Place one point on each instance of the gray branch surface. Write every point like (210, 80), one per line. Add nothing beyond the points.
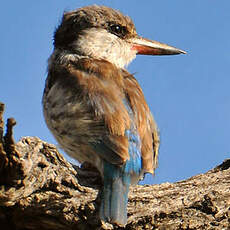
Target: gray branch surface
(39, 189)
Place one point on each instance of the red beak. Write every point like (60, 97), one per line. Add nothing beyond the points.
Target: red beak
(150, 47)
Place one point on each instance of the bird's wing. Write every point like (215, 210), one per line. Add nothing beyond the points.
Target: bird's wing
(146, 125)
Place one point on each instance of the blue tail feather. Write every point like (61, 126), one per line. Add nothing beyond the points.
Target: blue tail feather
(114, 196)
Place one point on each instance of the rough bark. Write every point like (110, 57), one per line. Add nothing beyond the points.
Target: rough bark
(39, 189)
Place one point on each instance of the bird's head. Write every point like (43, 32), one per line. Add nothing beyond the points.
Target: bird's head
(104, 33)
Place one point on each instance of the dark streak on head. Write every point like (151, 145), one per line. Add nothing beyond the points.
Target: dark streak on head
(75, 22)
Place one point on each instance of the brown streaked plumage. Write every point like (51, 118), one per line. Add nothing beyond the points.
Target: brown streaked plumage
(95, 108)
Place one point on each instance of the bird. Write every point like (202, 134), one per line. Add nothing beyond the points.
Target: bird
(95, 108)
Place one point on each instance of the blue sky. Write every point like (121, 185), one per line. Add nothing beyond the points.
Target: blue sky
(188, 94)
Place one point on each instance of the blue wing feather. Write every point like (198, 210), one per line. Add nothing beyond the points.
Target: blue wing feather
(117, 180)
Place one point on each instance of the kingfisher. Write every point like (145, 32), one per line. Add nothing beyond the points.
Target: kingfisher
(95, 108)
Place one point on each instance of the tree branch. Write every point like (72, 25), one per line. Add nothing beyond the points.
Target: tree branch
(39, 189)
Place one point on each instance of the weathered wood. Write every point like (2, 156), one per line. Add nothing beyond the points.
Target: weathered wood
(39, 189)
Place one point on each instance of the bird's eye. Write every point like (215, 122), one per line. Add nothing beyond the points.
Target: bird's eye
(118, 30)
